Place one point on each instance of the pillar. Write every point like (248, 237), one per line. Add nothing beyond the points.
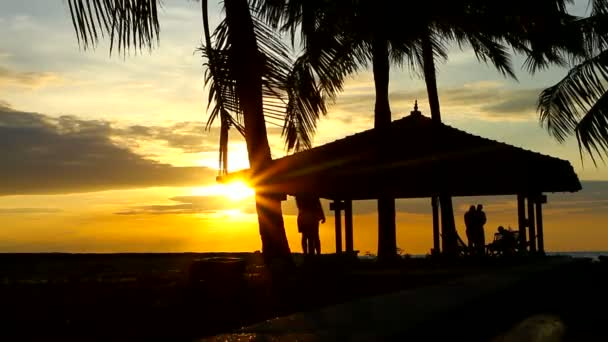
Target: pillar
(348, 226)
(336, 206)
(531, 223)
(436, 243)
(539, 223)
(521, 220)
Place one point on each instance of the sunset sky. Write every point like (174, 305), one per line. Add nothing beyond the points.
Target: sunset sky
(103, 153)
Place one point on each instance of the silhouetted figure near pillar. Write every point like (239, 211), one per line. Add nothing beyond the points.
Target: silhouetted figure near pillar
(480, 221)
(469, 218)
(310, 212)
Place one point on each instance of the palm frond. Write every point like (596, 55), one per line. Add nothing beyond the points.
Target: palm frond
(552, 40)
(304, 107)
(562, 105)
(128, 23)
(592, 130)
(414, 56)
(489, 49)
(292, 98)
(595, 32)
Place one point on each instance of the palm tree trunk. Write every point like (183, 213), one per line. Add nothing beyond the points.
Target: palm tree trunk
(248, 68)
(449, 240)
(387, 239)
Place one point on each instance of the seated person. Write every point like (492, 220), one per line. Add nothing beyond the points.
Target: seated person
(505, 241)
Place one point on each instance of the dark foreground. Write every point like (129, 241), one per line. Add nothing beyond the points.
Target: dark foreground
(156, 296)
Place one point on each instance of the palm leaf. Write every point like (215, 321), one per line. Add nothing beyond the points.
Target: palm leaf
(592, 130)
(292, 98)
(128, 23)
(565, 104)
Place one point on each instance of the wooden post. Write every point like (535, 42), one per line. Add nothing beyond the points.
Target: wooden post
(539, 223)
(348, 226)
(436, 243)
(531, 223)
(336, 206)
(521, 220)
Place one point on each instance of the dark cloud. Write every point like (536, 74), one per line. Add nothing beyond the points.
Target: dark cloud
(520, 102)
(190, 137)
(41, 154)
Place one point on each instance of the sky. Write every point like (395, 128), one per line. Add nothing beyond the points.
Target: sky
(108, 153)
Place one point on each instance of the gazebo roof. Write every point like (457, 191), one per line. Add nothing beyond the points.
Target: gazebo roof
(419, 159)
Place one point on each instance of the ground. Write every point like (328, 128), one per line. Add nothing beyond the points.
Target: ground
(141, 296)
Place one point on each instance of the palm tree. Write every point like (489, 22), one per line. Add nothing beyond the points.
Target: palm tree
(578, 104)
(250, 77)
(351, 34)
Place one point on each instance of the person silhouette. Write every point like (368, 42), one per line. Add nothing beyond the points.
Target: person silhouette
(506, 241)
(310, 212)
(480, 233)
(469, 218)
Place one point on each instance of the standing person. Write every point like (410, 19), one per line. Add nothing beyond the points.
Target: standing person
(481, 221)
(469, 218)
(310, 212)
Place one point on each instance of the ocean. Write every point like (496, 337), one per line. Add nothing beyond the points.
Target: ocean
(593, 255)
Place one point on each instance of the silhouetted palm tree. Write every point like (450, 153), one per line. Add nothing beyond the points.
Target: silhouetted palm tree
(351, 34)
(250, 76)
(578, 104)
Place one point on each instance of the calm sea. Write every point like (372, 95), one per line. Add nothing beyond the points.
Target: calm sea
(587, 254)
(592, 255)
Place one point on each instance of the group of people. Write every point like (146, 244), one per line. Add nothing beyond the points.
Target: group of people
(310, 213)
(474, 220)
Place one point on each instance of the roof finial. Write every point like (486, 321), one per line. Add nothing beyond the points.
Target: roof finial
(415, 111)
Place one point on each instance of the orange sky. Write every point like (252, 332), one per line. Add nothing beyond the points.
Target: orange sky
(146, 221)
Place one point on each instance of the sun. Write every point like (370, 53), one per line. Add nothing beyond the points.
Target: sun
(237, 190)
(234, 191)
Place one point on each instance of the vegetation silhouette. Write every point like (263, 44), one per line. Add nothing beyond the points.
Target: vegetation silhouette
(250, 77)
(375, 30)
(578, 104)
(248, 65)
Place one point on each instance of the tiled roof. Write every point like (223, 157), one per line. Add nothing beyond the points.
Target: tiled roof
(416, 158)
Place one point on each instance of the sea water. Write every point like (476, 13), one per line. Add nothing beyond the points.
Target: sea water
(593, 255)
(585, 254)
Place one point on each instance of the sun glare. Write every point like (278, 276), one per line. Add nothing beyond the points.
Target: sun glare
(237, 191)
(234, 191)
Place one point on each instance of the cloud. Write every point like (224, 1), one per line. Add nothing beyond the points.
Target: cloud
(192, 205)
(29, 211)
(486, 100)
(31, 80)
(190, 137)
(42, 154)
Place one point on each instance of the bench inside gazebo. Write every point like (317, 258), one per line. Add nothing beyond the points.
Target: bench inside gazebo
(418, 158)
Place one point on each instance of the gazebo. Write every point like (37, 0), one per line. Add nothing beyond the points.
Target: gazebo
(419, 158)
